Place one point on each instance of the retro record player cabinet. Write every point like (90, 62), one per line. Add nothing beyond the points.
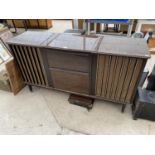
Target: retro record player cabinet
(104, 67)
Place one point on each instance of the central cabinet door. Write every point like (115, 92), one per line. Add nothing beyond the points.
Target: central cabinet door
(70, 71)
(70, 81)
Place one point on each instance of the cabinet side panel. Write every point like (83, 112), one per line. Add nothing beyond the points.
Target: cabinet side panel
(130, 70)
(139, 66)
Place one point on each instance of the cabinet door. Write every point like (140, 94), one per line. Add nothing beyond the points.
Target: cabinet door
(70, 81)
(69, 61)
(69, 70)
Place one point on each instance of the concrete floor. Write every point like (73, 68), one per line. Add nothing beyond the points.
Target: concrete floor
(27, 113)
(48, 112)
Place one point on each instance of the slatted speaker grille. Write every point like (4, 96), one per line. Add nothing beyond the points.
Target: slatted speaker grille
(30, 64)
(117, 77)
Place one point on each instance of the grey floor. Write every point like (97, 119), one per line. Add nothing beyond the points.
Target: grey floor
(48, 112)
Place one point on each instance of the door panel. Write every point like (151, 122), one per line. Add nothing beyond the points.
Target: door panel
(70, 81)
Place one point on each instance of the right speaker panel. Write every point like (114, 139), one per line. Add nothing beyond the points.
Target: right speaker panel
(117, 77)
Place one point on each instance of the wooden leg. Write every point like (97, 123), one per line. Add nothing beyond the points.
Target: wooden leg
(133, 107)
(123, 107)
(134, 117)
(30, 88)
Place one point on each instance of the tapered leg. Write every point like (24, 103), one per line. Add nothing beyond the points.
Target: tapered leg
(123, 107)
(134, 117)
(30, 88)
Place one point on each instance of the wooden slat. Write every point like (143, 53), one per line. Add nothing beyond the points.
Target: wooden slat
(100, 71)
(26, 63)
(116, 79)
(29, 62)
(18, 61)
(22, 63)
(138, 80)
(42, 66)
(105, 76)
(38, 66)
(108, 75)
(128, 79)
(136, 73)
(111, 75)
(34, 65)
(122, 75)
(41, 70)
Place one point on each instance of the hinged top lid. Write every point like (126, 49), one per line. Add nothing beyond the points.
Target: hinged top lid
(124, 46)
(75, 42)
(32, 38)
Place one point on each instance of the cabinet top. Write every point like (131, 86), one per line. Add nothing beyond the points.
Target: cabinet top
(113, 45)
(32, 38)
(75, 42)
(116, 45)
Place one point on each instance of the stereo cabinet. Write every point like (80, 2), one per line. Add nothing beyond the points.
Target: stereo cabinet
(103, 67)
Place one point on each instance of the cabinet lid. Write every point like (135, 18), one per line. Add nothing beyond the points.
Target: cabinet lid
(124, 46)
(32, 38)
(112, 45)
(75, 42)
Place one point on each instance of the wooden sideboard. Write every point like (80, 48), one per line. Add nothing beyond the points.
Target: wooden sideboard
(103, 67)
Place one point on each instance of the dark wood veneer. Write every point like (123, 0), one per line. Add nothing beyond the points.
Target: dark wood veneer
(101, 67)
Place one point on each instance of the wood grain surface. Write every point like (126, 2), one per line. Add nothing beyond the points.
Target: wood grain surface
(117, 77)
